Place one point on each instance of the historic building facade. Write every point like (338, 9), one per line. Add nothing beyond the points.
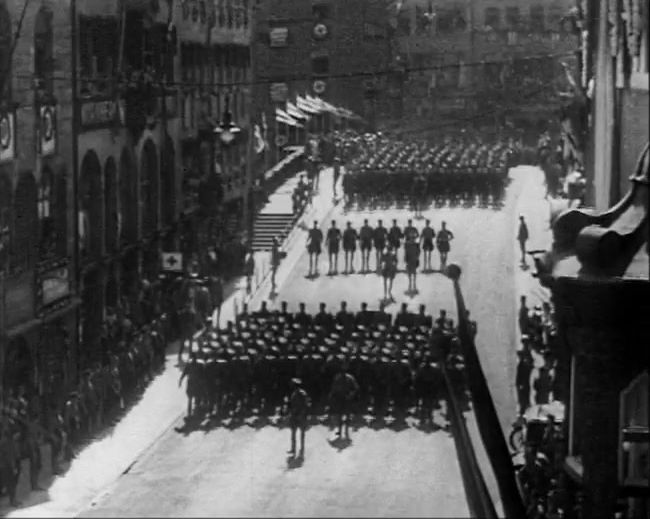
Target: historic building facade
(598, 269)
(468, 60)
(37, 241)
(333, 49)
(111, 116)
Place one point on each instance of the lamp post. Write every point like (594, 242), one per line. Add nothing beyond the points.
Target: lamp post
(486, 415)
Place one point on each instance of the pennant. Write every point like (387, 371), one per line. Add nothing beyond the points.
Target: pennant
(295, 112)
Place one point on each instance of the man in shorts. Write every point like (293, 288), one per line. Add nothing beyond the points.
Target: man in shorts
(344, 390)
(388, 262)
(350, 237)
(298, 404)
(412, 260)
(443, 239)
(365, 242)
(333, 241)
(426, 242)
(379, 236)
(395, 236)
(314, 241)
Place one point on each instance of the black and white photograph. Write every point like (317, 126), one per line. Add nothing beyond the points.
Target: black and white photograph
(324, 258)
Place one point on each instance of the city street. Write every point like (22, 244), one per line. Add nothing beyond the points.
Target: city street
(243, 471)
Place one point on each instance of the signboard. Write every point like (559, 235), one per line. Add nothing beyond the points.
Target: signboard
(172, 261)
(47, 134)
(7, 137)
(54, 285)
(96, 114)
(278, 37)
(279, 92)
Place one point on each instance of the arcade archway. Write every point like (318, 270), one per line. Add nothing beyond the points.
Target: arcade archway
(111, 215)
(128, 205)
(91, 232)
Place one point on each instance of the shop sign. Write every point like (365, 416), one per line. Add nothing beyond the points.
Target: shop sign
(278, 37)
(97, 114)
(47, 130)
(7, 137)
(54, 284)
(279, 92)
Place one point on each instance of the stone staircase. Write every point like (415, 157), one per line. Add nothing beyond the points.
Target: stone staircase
(268, 225)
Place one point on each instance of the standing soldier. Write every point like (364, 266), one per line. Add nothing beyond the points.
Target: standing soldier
(350, 237)
(388, 264)
(379, 241)
(426, 242)
(249, 270)
(365, 238)
(192, 372)
(275, 262)
(314, 241)
(298, 405)
(337, 174)
(522, 238)
(395, 236)
(188, 321)
(410, 231)
(9, 462)
(344, 390)
(443, 239)
(333, 240)
(216, 293)
(412, 260)
(522, 379)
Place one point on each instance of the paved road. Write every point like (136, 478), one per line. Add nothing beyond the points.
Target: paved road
(244, 472)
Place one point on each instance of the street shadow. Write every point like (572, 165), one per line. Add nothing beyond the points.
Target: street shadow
(295, 462)
(340, 443)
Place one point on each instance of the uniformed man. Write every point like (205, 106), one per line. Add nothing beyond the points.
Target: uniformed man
(350, 237)
(426, 242)
(365, 238)
(412, 260)
(192, 371)
(444, 237)
(379, 241)
(298, 404)
(395, 236)
(345, 318)
(344, 390)
(364, 316)
(323, 317)
(302, 317)
(314, 240)
(276, 257)
(333, 241)
(410, 231)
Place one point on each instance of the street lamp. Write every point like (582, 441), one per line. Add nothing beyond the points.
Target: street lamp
(227, 129)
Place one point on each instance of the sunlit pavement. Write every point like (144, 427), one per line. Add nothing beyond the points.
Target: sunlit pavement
(233, 458)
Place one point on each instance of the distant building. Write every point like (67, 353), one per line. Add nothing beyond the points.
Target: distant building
(469, 61)
(598, 271)
(334, 49)
(108, 157)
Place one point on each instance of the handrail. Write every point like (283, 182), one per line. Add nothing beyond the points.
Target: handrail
(486, 415)
(478, 495)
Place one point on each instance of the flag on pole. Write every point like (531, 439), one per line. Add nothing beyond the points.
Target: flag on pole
(305, 106)
(260, 145)
(283, 117)
(295, 112)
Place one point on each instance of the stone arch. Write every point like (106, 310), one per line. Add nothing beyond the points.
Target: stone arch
(91, 224)
(128, 198)
(149, 188)
(168, 182)
(25, 229)
(43, 48)
(111, 208)
(5, 52)
(19, 366)
(6, 209)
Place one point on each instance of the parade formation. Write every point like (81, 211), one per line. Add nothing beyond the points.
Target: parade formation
(385, 170)
(349, 365)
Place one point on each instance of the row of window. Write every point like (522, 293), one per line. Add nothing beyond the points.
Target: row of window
(453, 19)
(33, 219)
(227, 13)
(219, 64)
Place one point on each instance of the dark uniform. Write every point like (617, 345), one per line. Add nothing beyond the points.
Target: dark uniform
(298, 407)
